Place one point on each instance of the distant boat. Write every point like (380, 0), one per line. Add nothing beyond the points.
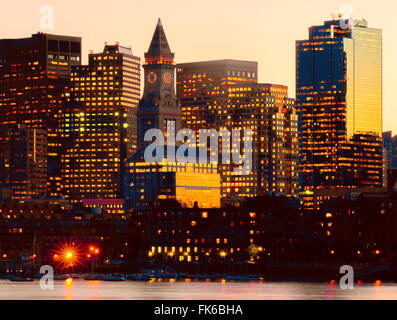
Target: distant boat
(139, 277)
(243, 278)
(62, 276)
(93, 277)
(20, 279)
(114, 277)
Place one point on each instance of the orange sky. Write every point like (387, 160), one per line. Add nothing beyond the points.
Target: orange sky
(259, 30)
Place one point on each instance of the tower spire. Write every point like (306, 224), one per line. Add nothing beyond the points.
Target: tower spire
(159, 45)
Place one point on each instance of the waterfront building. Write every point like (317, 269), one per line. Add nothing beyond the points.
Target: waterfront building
(34, 73)
(99, 124)
(105, 206)
(360, 226)
(339, 101)
(262, 231)
(41, 232)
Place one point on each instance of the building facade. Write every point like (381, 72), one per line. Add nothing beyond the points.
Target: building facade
(34, 73)
(224, 94)
(360, 226)
(99, 124)
(223, 240)
(148, 184)
(271, 115)
(200, 85)
(394, 152)
(339, 101)
(23, 162)
(387, 155)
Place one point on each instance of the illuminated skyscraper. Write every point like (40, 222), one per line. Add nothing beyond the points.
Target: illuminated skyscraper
(201, 84)
(34, 72)
(99, 125)
(271, 115)
(146, 184)
(339, 100)
(224, 94)
(159, 104)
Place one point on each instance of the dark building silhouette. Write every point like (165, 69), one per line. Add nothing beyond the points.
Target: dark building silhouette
(263, 230)
(360, 226)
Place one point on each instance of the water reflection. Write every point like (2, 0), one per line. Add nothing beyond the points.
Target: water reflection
(94, 286)
(75, 289)
(68, 285)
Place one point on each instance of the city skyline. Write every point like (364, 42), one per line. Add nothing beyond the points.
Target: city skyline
(106, 129)
(219, 38)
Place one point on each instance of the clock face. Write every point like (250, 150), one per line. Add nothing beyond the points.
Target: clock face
(167, 77)
(152, 77)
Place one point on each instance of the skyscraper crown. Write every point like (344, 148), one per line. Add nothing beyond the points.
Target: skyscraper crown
(159, 46)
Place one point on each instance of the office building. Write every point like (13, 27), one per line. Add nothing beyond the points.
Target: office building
(339, 101)
(224, 94)
(34, 73)
(200, 84)
(99, 124)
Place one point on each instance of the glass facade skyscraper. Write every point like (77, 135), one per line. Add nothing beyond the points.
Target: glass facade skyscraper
(339, 100)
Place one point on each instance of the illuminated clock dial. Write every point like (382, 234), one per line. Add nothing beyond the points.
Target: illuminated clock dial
(152, 77)
(167, 77)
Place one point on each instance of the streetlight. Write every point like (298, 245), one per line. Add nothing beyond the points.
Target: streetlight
(172, 255)
(223, 255)
(94, 252)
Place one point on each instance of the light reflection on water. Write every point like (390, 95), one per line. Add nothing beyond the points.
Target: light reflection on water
(75, 289)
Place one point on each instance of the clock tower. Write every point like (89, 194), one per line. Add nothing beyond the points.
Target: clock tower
(159, 105)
